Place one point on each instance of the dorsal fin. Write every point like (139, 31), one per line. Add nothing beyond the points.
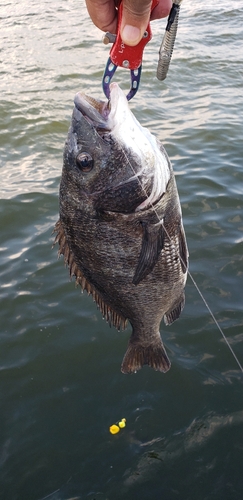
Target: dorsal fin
(111, 316)
(152, 244)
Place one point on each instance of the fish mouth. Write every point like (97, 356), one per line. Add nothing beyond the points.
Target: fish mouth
(104, 116)
(95, 111)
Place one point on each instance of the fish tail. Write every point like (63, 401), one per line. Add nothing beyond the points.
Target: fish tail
(138, 355)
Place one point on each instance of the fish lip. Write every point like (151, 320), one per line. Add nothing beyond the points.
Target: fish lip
(98, 118)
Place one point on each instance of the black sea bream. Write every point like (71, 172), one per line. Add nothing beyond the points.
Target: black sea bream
(120, 227)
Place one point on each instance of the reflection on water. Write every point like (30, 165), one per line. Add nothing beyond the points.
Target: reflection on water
(60, 377)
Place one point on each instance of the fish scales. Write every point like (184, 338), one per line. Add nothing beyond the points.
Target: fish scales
(120, 227)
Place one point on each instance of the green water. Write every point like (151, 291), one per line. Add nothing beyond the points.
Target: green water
(60, 381)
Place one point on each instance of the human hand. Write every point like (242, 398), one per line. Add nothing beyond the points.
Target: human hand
(135, 16)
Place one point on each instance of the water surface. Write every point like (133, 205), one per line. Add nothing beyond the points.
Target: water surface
(60, 381)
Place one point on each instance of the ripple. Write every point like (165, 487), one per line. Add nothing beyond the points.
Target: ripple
(60, 363)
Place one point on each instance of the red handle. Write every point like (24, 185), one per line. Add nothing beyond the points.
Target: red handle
(125, 55)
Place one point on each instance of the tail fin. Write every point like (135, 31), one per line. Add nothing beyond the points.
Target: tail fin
(138, 355)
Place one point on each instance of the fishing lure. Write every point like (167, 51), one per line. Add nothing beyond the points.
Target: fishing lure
(131, 57)
(115, 428)
(168, 42)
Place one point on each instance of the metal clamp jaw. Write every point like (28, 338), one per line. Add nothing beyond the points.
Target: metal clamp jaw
(125, 56)
(130, 58)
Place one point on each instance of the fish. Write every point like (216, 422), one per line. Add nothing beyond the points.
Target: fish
(120, 228)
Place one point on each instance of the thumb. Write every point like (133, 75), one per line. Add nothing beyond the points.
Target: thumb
(135, 19)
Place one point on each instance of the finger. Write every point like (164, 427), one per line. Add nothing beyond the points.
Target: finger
(135, 18)
(161, 10)
(103, 14)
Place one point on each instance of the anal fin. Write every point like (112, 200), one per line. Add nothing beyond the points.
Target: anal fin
(152, 244)
(138, 355)
(175, 311)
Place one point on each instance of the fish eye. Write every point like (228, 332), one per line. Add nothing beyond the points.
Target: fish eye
(84, 162)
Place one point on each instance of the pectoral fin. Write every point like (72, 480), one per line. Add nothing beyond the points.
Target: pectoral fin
(152, 244)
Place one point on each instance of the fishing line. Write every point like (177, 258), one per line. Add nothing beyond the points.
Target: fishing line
(189, 274)
(215, 321)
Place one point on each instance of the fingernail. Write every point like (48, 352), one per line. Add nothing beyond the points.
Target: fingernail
(130, 35)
